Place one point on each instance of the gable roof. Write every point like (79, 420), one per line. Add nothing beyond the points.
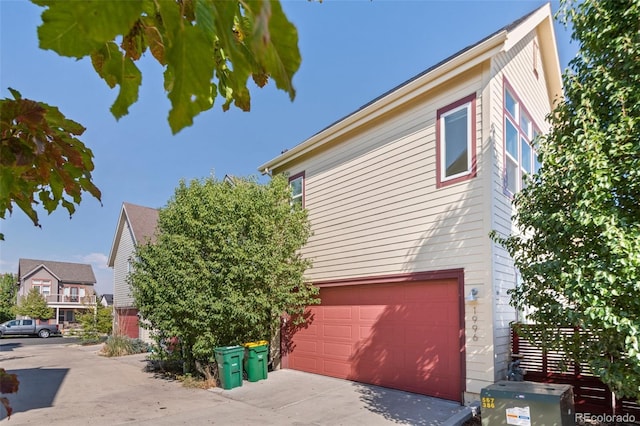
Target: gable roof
(107, 298)
(64, 271)
(143, 222)
(540, 20)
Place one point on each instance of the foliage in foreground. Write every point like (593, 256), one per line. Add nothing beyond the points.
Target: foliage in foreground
(42, 161)
(123, 345)
(34, 306)
(8, 384)
(225, 265)
(207, 48)
(579, 246)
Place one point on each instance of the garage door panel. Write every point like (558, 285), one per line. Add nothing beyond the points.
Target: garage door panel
(370, 312)
(330, 331)
(337, 313)
(335, 369)
(403, 336)
(307, 346)
(338, 351)
(305, 363)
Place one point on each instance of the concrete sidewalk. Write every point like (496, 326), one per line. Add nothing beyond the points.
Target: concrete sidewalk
(304, 398)
(72, 385)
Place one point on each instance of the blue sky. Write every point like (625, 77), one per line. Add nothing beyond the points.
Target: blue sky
(352, 52)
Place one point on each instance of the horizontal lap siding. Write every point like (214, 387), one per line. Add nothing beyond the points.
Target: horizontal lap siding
(122, 292)
(375, 210)
(516, 66)
(373, 205)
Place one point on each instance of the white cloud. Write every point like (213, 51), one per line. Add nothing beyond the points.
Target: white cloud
(104, 274)
(97, 260)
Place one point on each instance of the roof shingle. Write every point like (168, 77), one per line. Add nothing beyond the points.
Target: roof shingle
(64, 271)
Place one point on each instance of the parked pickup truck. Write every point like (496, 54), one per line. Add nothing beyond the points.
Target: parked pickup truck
(28, 327)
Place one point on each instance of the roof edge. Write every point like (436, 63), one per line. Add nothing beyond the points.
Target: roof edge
(445, 70)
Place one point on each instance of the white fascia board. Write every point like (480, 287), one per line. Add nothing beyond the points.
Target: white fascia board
(541, 21)
(116, 238)
(447, 71)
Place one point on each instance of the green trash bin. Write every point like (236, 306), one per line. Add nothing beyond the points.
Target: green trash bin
(229, 360)
(256, 360)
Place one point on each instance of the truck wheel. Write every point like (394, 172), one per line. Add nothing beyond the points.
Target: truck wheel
(44, 333)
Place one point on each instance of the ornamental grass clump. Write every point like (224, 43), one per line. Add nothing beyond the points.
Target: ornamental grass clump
(122, 345)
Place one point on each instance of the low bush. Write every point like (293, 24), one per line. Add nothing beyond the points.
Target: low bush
(123, 345)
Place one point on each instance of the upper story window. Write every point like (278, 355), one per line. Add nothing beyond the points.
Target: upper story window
(296, 182)
(520, 132)
(43, 286)
(455, 142)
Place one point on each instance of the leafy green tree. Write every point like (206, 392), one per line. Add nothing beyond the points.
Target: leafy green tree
(34, 305)
(208, 49)
(579, 217)
(95, 321)
(40, 154)
(226, 265)
(8, 290)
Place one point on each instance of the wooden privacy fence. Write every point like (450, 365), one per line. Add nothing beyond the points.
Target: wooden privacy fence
(590, 394)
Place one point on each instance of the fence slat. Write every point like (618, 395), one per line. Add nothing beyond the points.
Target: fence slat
(590, 394)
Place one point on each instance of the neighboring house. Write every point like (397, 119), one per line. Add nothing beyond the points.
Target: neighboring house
(402, 195)
(136, 225)
(106, 300)
(67, 287)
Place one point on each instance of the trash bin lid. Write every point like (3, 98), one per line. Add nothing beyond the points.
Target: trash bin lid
(254, 344)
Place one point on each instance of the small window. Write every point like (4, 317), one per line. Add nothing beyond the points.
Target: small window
(455, 135)
(27, 322)
(296, 182)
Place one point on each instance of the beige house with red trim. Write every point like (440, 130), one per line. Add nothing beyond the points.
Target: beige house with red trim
(67, 287)
(136, 225)
(402, 195)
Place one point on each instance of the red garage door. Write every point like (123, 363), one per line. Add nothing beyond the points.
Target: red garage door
(404, 336)
(127, 319)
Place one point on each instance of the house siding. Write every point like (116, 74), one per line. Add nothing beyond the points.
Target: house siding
(122, 295)
(375, 210)
(41, 274)
(516, 67)
(370, 185)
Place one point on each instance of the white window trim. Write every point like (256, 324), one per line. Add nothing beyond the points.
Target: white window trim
(443, 143)
(468, 102)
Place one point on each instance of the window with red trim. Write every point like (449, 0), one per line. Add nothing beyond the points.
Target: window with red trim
(296, 182)
(520, 132)
(455, 141)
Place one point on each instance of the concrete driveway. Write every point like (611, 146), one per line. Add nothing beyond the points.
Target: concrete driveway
(71, 385)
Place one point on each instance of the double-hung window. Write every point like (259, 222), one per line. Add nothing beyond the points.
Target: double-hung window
(455, 142)
(43, 287)
(521, 158)
(296, 182)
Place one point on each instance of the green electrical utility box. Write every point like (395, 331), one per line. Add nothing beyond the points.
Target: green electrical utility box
(527, 404)
(229, 360)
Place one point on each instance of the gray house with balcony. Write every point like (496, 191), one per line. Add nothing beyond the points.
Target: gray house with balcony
(67, 287)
